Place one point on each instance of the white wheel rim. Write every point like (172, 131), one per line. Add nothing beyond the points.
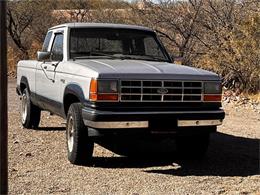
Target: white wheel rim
(24, 108)
(70, 133)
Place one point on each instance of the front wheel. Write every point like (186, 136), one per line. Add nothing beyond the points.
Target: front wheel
(193, 147)
(30, 113)
(79, 145)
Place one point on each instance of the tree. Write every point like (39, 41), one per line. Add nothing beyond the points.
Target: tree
(77, 10)
(175, 22)
(27, 21)
(91, 10)
(231, 34)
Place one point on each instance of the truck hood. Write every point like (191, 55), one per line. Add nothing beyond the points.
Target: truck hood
(139, 69)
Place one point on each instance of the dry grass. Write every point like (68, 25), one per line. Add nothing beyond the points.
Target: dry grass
(253, 97)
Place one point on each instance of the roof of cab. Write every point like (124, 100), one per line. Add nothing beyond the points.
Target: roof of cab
(100, 25)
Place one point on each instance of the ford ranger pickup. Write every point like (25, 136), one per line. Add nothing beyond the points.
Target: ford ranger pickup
(113, 79)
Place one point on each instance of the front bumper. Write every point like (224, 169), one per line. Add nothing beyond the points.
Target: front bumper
(152, 120)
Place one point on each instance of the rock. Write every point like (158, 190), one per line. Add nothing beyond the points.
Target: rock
(28, 154)
(14, 170)
(16, 142)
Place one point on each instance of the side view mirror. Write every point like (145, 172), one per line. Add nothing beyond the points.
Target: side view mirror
(43, 56)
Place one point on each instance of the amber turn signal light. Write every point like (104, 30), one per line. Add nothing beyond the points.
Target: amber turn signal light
(93, 86)
(93, 90)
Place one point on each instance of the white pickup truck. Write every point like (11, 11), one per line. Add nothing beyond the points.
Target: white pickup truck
(117, 80)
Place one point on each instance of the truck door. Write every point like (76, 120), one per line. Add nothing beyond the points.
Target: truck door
(47, 85)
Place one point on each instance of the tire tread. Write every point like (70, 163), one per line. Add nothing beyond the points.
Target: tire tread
(82, 147)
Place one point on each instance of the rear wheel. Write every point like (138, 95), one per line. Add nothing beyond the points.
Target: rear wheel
(193, 147)
(30, 113)
(79, 145)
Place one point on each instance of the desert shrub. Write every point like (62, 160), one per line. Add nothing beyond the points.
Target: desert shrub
(235, 54)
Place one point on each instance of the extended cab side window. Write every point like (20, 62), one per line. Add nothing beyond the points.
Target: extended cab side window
(57, 48)
(46, 41)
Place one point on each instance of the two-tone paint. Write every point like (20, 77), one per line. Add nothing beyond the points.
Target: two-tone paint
(50, 83)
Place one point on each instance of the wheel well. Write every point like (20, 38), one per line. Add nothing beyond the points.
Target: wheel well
(22, 87)
(68, 100)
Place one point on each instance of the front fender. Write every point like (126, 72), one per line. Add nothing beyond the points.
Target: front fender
(76, 90)
(23, 82)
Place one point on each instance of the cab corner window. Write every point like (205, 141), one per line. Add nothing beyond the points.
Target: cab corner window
(57, 48)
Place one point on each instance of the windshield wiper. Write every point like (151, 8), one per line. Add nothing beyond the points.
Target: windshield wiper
(155, 58)
(103, 54)
(142, 57)
(94, 55)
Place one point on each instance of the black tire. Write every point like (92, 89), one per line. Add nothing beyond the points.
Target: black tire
(79, 145)
(193, 147)
(31, 114)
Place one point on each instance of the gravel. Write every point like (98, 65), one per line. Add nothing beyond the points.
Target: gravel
(38, 162)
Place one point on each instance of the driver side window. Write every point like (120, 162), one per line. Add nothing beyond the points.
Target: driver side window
(47, 41)
(57, 48)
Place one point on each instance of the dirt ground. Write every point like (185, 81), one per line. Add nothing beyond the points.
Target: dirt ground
(38, 162)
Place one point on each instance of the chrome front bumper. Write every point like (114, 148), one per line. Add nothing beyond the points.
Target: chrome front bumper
(195, 123)
(99, 119)
(145, 124)
(117, 125)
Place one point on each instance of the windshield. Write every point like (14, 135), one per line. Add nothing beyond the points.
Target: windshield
(115, 44)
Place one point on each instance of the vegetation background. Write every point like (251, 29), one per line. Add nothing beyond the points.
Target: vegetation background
(218, 35)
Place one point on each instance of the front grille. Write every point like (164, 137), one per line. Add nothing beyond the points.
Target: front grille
(160, 91)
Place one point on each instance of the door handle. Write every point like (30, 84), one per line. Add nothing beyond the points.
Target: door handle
(45, 67)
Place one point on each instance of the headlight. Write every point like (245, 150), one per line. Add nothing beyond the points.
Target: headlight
(103, 90)
(212, 92)
(107, 86)
(212, 88)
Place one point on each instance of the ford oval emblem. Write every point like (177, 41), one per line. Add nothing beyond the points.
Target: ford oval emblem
(162, 90)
